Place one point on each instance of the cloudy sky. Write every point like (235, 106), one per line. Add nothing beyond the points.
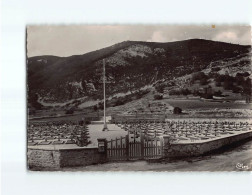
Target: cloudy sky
(77, 39)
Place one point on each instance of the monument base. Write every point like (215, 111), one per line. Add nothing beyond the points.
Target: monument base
(105, 128)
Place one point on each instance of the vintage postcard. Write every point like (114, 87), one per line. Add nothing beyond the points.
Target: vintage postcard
(139, 98)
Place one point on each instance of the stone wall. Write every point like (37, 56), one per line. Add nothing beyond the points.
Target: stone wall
(81, 157)
(197, 149)
(43, 158)
(140, 117)
(55, 159)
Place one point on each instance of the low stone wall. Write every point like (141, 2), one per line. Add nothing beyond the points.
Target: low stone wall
(197, 149)
(54, 159)
(140, 117)
(42, 158)
(81, 157)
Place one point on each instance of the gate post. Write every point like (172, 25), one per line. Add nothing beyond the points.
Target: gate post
(102, 146)
(162, 146)
(127, 146)
(166, 144)
(142, 144)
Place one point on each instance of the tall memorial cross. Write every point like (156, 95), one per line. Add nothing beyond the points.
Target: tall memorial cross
(105, 128)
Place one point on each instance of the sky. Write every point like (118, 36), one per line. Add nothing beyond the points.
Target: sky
(79, 39)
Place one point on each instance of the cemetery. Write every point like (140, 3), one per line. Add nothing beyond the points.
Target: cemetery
(67, 145)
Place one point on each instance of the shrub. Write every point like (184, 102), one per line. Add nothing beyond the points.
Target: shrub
(218, 93)
(175, 92)
(203, 81)
(158, 97)
(236, 90)
(119, 102)
(199, 76)
(247, 85)
(223, 78)
(208, 96)
(160, 88)
(95, 108)
(185, 91)
(239, 79)
(245, 74)
(37, 105)
(70, 111)
(87, 122)
(196, 93)
(212, 74)
(220, 78)
(100, 106)
(81, 122)
(177, 110)
(218, 84)
(228, 85)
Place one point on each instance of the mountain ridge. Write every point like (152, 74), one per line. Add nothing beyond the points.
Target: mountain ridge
(130, 65)
(193, 39)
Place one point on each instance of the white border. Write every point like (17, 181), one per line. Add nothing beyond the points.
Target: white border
(16, 14)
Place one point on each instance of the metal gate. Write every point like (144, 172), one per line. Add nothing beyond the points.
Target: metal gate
(117, 149)
(153, 148)
(134, 146)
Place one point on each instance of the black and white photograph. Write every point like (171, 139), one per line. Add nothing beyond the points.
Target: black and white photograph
(159, 98)
(125, 97)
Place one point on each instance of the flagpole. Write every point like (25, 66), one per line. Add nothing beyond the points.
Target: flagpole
(105, 128)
